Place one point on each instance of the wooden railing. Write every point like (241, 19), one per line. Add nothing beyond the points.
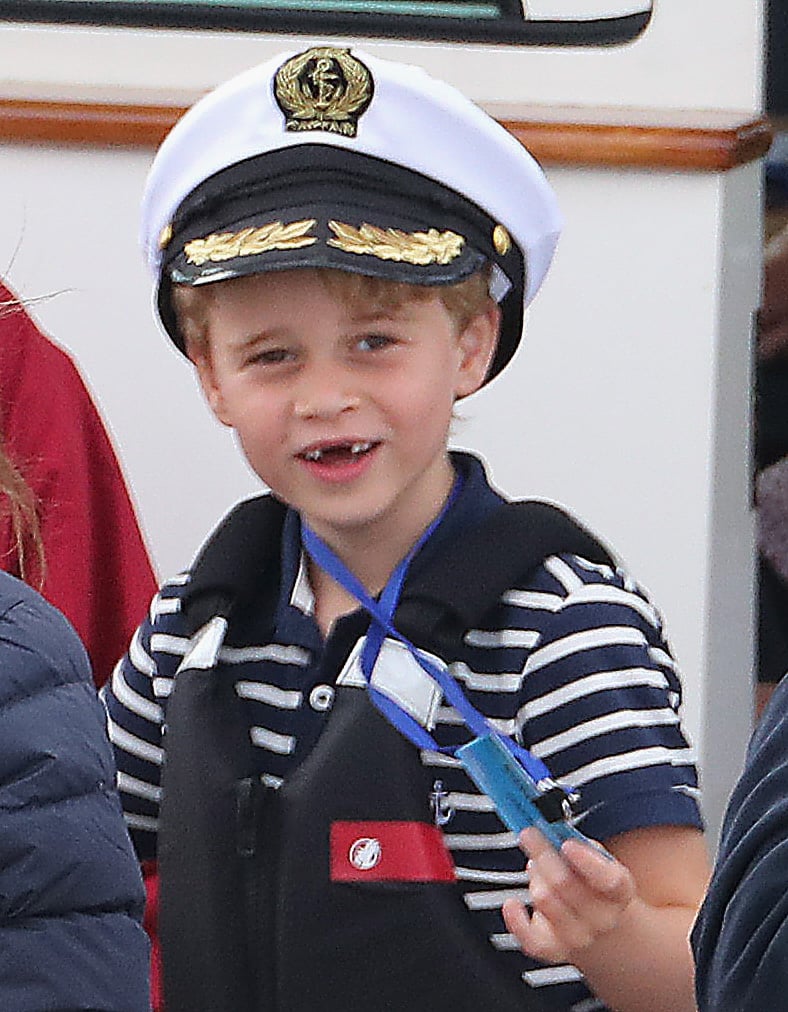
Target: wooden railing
(709, 141)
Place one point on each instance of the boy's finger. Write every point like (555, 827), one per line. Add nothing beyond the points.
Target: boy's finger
(533, 932)
(555, 886)
(535, 843)
(599, 871)
(567, 909)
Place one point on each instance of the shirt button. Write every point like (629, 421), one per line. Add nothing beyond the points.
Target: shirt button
(321, 698)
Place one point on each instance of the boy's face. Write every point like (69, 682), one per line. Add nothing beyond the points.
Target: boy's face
(343, 410)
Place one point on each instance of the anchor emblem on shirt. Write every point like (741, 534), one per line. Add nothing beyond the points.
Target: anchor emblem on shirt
(440, 806)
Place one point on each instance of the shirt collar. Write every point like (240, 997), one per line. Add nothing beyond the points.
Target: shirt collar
(294, 619)
(475, 501)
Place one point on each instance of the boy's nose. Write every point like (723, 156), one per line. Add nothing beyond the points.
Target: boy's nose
(322, 393)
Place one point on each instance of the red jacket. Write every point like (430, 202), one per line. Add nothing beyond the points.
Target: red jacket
(98, 571)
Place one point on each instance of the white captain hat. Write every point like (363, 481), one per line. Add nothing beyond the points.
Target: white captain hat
(330, 157)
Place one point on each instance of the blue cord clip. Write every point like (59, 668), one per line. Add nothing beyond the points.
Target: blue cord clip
(518, 798)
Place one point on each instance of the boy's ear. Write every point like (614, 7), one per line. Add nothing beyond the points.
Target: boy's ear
(478, 342)
(200, 357)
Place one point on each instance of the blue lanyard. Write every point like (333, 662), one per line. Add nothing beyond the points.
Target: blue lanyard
(381, 613)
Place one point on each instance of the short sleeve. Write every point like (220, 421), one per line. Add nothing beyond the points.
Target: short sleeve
(602, 701)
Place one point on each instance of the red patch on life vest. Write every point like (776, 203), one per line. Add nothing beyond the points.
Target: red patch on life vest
(389, 852)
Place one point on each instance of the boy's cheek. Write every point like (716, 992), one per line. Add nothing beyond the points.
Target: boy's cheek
(213, 392)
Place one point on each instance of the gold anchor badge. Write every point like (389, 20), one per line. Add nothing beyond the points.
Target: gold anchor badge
(323, 89)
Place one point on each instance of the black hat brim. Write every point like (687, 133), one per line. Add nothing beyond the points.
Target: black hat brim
(318, 207)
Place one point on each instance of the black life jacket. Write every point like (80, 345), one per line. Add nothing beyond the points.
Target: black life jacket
(255, 913)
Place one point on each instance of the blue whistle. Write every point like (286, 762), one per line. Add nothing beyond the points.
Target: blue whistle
(516, 795)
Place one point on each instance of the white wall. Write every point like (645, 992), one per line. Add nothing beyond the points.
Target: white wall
(629, 399)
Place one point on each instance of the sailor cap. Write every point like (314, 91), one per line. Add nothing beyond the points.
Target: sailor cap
(330, 157)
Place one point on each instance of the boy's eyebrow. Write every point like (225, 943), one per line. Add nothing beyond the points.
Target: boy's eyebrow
(248, 340)
(375, 314)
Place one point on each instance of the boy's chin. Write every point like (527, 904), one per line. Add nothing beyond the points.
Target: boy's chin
(343, 521)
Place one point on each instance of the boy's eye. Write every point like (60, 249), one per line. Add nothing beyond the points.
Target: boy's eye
(374, 342)
(270, 356)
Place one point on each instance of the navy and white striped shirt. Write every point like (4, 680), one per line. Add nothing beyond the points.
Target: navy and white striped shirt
(572, 663)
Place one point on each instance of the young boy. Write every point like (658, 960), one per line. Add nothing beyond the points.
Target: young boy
(343, 247)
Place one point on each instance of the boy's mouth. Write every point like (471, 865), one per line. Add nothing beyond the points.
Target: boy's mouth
(339, 452)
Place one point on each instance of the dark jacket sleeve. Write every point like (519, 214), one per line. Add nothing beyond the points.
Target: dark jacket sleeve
(740, 938)
(70, 887)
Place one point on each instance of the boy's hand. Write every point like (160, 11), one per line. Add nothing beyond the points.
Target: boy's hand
(578, 894)
(624, 923)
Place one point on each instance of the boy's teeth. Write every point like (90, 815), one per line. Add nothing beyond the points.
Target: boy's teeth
(355, 449)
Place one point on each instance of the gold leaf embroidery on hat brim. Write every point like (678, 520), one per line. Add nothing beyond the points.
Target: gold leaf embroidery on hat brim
(250, 241)
(421, 248)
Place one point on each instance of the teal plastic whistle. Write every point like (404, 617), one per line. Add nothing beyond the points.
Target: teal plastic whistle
(518, 798)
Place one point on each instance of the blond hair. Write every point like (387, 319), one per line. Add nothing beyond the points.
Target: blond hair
(462, 300)
(18, 505)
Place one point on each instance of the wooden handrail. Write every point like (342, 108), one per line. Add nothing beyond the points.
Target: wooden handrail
(698, 148)
(610, 138)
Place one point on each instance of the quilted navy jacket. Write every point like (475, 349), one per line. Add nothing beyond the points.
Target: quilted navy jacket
(70, 889)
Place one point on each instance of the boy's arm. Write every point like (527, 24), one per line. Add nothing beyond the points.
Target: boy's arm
(616, 736)
(624, 923)
(133, 699)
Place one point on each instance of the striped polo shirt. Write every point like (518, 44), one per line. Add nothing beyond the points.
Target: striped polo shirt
(572, 662)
